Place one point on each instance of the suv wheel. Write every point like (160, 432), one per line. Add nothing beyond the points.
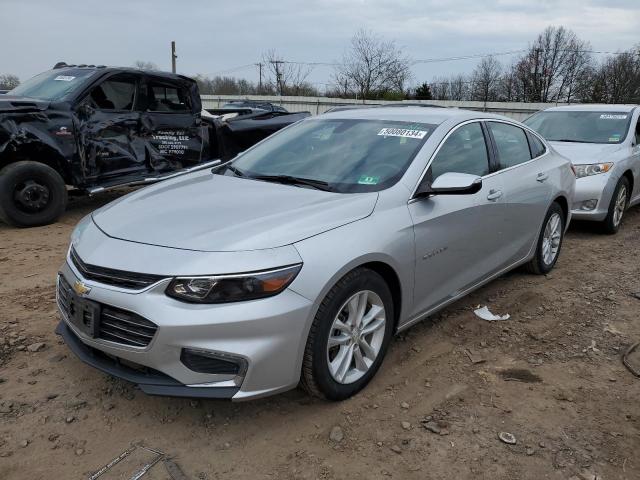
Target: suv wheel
(31, 194)
(549, 242)
(617, 207)
(349, 336)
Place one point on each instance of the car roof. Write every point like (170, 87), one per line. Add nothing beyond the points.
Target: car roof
(106, 69)
(593, 107)
(426, 114)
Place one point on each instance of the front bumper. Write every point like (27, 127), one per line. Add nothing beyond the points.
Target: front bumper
(269, 334)
(596, 187)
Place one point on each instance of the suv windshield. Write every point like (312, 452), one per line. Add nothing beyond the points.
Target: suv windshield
(54, 84)
(344, 155)
(581, 126)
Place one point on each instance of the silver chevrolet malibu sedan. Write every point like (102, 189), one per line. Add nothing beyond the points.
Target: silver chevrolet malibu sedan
(296, 262)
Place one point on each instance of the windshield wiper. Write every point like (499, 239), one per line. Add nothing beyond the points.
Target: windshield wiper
(569, 140)
(291, 180)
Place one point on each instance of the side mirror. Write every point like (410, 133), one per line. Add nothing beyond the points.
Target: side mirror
(451, 183)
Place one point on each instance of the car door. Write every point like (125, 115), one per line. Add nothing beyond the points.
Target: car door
(108, 130)
(635, 159)
(527, 191)
(457, 237)
(172, 125)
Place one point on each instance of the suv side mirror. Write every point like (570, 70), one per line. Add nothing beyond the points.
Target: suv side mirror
(451, 183)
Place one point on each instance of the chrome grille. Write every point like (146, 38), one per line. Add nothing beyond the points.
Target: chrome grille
(111, 276)
(115, 324)
(128, 328)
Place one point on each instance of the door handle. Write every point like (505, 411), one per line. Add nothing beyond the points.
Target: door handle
(494, 194)
(542, 176)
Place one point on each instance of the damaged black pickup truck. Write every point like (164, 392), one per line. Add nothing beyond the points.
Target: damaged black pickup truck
(84, 129)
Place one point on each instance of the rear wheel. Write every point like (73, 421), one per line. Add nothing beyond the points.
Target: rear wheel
(549, 242)
(617, 207)
(349, 336)
(31, 194)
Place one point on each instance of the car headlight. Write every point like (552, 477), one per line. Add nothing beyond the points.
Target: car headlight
(592, 169)
(232, 288)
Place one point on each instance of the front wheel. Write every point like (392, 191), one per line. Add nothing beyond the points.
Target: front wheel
(349, 336)
(617, 207)
(31, 194)
(549, 242)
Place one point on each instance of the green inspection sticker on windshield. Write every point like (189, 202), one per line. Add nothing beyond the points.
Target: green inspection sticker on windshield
(367, 180)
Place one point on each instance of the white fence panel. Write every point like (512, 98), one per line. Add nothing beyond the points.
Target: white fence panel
(318, 105)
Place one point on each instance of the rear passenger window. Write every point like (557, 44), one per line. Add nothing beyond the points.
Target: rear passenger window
(535, 145)
(511, 143)
(464, 151)
(168, 98)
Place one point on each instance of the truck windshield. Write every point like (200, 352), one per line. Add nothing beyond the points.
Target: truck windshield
(53, 84)
(341, 155)
(581, 126)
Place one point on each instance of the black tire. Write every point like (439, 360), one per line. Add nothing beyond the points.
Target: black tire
(31, 194)
(537, 265)
(316, 378)
(609, 224)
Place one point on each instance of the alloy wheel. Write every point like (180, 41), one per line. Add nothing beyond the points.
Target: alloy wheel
(620, 205)
(551, 238)
(356, 337)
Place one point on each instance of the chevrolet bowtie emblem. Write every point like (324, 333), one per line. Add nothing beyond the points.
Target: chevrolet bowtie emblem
(80, 288)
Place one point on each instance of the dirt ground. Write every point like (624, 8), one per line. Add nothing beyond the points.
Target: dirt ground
(551, 375)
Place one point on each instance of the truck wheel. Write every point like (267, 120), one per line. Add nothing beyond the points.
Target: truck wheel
(31, 194)
(617, 207)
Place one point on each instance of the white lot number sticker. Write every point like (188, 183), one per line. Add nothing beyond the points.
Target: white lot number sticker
(402, 132)
(608, 116)
(64, 78)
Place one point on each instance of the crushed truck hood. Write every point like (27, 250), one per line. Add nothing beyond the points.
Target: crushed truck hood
(207, 212)
(11, 103)
(580, 153)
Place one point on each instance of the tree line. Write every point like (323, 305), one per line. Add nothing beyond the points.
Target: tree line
(557, 66)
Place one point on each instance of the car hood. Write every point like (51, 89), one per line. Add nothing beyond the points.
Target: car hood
(207, 212)
(12, 103)
(580, 153)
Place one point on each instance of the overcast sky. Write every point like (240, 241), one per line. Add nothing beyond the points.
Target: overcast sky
(217, 36)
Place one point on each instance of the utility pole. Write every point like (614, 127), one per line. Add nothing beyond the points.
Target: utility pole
(173, 56)
(259, 65)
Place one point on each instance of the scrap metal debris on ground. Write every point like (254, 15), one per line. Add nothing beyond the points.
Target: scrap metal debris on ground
(140, 466)
(625, 360)
(485, 314)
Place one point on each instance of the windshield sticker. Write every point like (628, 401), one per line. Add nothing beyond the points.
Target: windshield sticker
(64, 78)
(402, 132)
(367, 180)
(614, 138)
(608, 116)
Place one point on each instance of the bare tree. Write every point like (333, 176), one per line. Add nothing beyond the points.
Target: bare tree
(485, 80)
(458, 87)
(440, 88)
(142, 65)
(373, 66)
(288, 78)
(8, 81)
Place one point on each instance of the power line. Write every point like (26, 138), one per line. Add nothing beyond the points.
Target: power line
(467, 57)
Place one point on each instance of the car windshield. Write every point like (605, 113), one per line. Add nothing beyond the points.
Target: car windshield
(581, 126)
(344, 155)
(53, 84)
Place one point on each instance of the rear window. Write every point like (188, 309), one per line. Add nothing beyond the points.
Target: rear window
(581, 126)
(168, 98)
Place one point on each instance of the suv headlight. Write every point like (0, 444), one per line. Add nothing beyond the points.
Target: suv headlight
(232, 288)
(587, 170)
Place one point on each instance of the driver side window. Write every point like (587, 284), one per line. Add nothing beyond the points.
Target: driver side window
(116, 93)
(464, 151)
